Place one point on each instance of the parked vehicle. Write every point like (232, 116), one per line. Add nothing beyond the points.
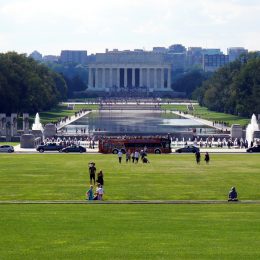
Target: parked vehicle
(188, 149)
(6, 149)
(74, 149)
(254, 149)
(49, 147)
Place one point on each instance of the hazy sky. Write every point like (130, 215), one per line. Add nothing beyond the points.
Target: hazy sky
(51, 25)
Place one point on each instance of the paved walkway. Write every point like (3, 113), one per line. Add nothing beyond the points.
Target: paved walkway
(131, 102)
(203, 121)
(72, 119)
(128, 202)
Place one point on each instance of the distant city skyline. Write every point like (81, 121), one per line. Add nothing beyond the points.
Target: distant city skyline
(51, 26)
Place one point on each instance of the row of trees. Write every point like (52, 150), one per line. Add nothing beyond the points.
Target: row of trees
(233, 89)
(26, 86)
(189, 81)
(75, 76)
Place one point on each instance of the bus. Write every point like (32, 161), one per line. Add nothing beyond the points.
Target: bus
(156, 145)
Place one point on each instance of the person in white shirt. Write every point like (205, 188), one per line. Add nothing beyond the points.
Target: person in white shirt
(100, 192)
(136, 156)
(120, 155)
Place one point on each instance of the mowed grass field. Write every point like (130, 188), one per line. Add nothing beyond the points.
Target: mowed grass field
(167, 177)
(95, 231)
(130, 231)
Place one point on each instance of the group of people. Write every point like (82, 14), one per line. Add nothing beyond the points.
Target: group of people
(98, 180)
(133, 157)
(198, 156)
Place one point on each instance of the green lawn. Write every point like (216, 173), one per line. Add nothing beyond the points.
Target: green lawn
(180, 107)
(130, 231)
(95, 231)
(204, 113)
(168, 177)
(62, 111)
(9, 143)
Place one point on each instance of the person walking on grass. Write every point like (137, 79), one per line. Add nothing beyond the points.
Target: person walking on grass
(207, 158)
(136, 155)
(128, 156)
(120, 155)
(92, 172)
(133, 157)
(100, 178)
(197, 156)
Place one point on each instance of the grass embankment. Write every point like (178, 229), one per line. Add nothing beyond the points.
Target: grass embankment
(205, 113)
(62, 111)
(129, 231)
(9, 143)
(167, 177)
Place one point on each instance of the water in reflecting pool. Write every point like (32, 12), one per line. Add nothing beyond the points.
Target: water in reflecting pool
(134, 122)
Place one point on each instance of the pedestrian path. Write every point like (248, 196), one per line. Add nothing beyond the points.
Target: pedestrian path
(127, 202)
(202, 121)
(72, 119)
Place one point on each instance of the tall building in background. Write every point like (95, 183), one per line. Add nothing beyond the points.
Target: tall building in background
(50, 58)
(73, 56)
(211, 52)
(195, 57)
(213, 62)
(235, 52)
(176, 55)
(177, 48)
(36, 56)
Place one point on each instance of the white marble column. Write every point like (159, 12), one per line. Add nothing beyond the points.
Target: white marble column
(133, 77)
(141, 77)
(169, 79)
(162, 78)
(110, 77)
(118, 77)
(125, 77)
(103, 78)
(148, 78)
(90, 78)
(96, 77)
(155, 77)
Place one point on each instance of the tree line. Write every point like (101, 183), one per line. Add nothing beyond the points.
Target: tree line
(75, 76)
(27, 86)
(233, 89)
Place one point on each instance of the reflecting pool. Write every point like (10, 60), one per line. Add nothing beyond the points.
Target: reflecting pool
(134, 122)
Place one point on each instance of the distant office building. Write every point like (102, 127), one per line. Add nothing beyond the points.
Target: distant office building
(50, 58)
(36, 56)
(195, 57)
(213, 62)
(160, 50)
(177, 60)
(177, 48)
(211, 52)
(235, 52)
(72, 56)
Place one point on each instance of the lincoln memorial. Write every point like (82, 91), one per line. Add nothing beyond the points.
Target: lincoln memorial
(132, 72)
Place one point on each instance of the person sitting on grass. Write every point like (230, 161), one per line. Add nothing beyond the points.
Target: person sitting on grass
(145, 160)
(89, 193)
(99, 192)
(232, 196)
